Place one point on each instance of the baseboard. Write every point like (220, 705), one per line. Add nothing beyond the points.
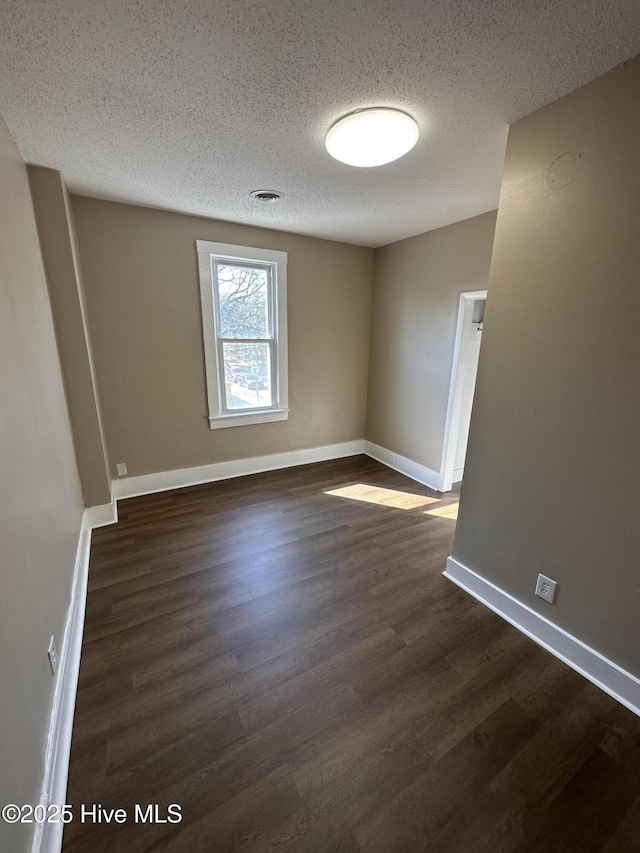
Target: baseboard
(48, 836)
(417, 472)
(604, 673)
(147, 484)
(100, 516)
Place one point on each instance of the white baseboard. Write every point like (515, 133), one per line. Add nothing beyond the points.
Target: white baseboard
(48, 836)
(604, 673)
(417, 472)
(100, 516)
(146, 484)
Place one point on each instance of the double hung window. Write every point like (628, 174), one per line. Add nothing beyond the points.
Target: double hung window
(244, 306)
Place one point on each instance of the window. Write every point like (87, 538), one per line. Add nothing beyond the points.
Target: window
(244, 321)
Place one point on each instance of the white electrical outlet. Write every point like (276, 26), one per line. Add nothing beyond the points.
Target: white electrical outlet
(121, 468)
(546, 588)
(53, 655)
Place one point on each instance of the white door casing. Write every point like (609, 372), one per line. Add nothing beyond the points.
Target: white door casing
(463, 376)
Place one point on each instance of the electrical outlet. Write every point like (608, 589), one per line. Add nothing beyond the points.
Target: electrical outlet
(546, 588)
(121, 468)
(53, 655)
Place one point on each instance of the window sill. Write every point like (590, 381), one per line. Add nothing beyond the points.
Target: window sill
(247, 418)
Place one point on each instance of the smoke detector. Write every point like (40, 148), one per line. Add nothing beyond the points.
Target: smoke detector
(266, 196)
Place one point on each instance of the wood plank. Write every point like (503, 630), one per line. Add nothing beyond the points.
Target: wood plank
(280, 655)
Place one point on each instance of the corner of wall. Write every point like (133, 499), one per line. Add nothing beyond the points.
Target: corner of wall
(58, 242)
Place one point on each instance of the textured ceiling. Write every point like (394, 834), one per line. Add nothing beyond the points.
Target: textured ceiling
(191, 104)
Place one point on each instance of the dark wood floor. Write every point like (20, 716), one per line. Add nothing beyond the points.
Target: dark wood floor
(291, 668)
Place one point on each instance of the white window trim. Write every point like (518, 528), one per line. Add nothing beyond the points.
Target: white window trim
(219, 419)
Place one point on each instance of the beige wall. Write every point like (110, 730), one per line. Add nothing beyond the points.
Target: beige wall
(141, 281)
(552, 480)
(40, 499)
(58, 243)
(417, 287)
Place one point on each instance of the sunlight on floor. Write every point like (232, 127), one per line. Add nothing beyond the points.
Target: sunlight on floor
(450, 511)
(384, 497)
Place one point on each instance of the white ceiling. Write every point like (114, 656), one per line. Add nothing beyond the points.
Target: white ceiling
(191, 104)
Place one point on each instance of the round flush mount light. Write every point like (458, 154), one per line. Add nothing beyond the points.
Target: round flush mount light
(372, 136)
(266, 196)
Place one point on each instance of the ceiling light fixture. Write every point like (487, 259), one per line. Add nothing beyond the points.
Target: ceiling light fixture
(266, 196)
(372, 136)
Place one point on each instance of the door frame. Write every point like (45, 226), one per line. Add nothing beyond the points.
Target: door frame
(452, 423)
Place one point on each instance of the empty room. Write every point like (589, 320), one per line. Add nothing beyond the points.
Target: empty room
(319, 413)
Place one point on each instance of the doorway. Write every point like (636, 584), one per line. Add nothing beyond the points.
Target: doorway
(463, 382)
